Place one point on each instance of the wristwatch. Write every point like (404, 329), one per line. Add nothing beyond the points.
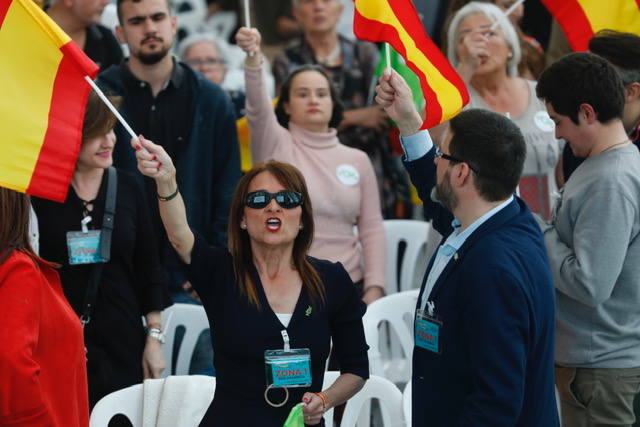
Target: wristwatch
(157, 333)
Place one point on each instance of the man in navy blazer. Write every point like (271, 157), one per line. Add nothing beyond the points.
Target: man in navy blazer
(484, 325)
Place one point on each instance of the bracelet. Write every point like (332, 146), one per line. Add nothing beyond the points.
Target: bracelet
(322, 397)
(169, 197)
(154, 325)
(156, 333)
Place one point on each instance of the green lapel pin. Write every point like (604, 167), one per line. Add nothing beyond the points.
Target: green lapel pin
(308, 311)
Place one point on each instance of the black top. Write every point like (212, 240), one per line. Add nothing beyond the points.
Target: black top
(244, 332)
(102, 47)
(132, 282)
(165, 119)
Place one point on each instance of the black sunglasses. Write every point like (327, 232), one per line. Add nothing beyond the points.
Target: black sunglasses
(287, 199)
(441, 155)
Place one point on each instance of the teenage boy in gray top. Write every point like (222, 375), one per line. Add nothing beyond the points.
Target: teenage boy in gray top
(593, 245)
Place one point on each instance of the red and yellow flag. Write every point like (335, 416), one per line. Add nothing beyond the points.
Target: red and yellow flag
(397, 23)
(43, 97)
(581, 19)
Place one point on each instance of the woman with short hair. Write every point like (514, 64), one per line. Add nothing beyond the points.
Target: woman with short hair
(487, 60)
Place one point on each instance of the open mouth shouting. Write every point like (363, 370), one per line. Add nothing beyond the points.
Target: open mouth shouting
(274, 224)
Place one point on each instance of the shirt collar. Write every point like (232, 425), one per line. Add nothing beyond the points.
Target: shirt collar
(457, 239)
(175, 80)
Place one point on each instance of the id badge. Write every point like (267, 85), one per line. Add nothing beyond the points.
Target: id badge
(288, 368)
(427, 332)
(84, 247)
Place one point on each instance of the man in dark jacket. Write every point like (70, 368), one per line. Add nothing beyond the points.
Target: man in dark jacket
(192, 118)
(484, 325)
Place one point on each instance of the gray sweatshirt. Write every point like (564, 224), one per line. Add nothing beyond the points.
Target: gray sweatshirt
(594, 252)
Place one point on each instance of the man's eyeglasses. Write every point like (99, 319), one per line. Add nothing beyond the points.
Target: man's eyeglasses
(212, 62)
(287, 199)
(441, 155)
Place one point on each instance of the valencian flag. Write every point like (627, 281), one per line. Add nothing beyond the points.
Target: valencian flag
(43, 97)
(397, 23)
(581, 19)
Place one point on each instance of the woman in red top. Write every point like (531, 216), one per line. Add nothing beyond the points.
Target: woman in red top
(43, 379)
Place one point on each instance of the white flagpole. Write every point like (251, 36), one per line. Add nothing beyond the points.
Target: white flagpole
(387, 51)
(111, 107)
(507, 13)
(247, 19)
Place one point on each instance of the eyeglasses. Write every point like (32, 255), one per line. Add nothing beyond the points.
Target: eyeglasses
(441, 155)
(213, 62)
(287, 199)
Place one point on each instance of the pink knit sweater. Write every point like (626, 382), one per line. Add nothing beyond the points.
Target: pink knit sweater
(341, 183)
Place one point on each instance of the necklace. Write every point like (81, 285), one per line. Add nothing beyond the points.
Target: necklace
(333, 56)
(614, 145)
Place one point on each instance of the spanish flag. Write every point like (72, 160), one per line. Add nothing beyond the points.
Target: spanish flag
(397, 23)
(581, 19)
(43, 97)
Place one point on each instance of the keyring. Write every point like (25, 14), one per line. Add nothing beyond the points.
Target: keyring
(276, 405)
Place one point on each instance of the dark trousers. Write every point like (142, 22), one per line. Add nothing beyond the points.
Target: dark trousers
(597, 397)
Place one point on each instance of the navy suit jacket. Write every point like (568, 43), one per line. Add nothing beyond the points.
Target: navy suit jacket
(496, 302)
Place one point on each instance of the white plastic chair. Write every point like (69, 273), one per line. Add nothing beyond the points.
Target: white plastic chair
(387, 394)
(162, 402)
(190, 16)
(406, 404)
(392, 313)
(194, 319)
(127, 402)
(221, 24)
(413, 233)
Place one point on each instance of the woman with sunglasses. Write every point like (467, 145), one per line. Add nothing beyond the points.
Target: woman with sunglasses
(341, 179)
(275, 309)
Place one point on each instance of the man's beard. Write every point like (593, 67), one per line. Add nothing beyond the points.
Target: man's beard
(153, 57)
(444, 193)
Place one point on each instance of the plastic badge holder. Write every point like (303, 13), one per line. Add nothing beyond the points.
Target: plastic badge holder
(84, 247)
(288, 368)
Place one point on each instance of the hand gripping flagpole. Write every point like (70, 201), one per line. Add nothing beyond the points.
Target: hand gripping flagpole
(506, 14)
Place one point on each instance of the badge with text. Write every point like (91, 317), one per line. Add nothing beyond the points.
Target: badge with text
(84, 247)
(427, 332)
(348, 175)
(288, 368)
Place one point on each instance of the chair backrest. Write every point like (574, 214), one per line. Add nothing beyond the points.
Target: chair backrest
(165, 402)
(194, 319)
(220, 24)
(191, 15)
(404, 273)
(406, 403)
(127, 402)
(395, 313)
(387, 394)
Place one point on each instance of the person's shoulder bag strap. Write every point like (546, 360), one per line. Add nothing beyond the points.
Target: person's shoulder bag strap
(105, 245)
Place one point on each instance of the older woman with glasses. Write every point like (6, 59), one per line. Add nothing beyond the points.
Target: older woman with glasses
(487, 59)
(275, 308)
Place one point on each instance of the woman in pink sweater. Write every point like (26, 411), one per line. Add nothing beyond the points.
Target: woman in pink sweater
(341, 179)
